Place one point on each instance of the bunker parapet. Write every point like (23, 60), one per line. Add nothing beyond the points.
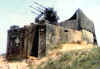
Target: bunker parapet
(80, 21)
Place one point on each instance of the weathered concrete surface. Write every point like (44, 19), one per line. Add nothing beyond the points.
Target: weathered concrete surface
(23, 48)
(54, 35)
(87, 36)
(74, 36)
(42, 41)
(29, 38)
(14, 47)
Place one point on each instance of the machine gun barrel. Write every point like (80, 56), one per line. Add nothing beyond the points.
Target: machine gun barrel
(37, 9)
(34, 13)
(40, 8)
(39, 5)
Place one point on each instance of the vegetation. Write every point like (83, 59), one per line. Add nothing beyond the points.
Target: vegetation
(77, 59)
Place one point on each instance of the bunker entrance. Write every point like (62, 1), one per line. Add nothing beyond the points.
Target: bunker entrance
(35, 44)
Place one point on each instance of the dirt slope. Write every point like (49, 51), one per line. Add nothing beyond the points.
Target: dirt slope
(33, 62)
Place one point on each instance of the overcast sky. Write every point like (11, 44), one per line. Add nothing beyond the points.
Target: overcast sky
(18, 12)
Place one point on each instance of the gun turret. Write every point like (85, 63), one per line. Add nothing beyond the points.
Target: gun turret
(45, 14)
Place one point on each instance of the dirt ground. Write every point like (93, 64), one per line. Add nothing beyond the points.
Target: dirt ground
(26, 64)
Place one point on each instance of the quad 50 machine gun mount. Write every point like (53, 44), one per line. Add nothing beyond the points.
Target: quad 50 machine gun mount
(45, 14)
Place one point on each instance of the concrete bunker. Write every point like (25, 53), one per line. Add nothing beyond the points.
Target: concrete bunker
(37, 39)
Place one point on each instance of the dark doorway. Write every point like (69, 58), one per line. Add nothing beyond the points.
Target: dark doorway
(34, 50)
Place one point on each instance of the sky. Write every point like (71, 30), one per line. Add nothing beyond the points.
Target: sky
(18, 12)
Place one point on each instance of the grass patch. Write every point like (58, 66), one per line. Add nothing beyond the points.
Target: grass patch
(78, 59)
